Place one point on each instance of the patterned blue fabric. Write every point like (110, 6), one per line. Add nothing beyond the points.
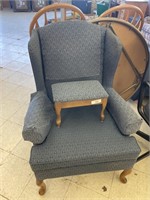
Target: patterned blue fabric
(112, 53)
(36, 60)
(83, 140)
(77, 51)
(38, 119)
(79, 90)
(83, 169)
(125, 117)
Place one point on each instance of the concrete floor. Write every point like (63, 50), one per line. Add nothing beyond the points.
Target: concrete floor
(16, 177)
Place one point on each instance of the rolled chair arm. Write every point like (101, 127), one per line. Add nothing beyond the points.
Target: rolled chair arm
(126, 119)
(38, 119)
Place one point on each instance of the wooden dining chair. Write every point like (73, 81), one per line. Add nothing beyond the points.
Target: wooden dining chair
(126, 12)
(59, 12)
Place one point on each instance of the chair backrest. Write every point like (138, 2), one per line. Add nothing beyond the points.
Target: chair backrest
(73, 51)
(126, 12)
(57, 12)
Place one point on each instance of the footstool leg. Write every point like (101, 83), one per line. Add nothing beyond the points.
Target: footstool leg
(42, 186)
(58, 114)
(104, 103)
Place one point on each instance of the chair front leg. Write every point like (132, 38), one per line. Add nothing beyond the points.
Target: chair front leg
(42, 186)
(123, 174)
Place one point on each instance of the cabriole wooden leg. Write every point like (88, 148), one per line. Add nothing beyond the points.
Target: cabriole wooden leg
(104, 103)
(58, 114)
(42, 186)
(123, 174)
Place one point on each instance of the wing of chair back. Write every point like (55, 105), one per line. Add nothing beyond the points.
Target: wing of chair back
(36, 60)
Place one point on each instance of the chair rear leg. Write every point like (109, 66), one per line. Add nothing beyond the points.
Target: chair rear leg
(124, 174)
(42, 186)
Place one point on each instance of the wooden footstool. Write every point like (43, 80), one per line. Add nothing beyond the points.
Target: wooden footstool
(76, 94)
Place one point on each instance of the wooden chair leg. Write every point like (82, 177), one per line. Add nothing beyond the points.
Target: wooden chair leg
(42, 186)
(123, 174)
(58, 114)
(104, 103)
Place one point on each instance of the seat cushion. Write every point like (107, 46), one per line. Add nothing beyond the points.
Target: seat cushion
(83, 140)
(78, 90)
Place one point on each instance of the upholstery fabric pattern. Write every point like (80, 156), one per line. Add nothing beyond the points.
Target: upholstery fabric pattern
(38, 119)
(113, 49)
(125, 117)
(91, 168)
(83, 144)
(36, 61)
(79, 90)
(72, 50)
(83, 140)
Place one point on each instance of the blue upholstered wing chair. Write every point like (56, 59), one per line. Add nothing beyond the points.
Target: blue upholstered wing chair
(69, 52)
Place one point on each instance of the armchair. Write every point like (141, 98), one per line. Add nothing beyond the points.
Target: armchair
(77, 51)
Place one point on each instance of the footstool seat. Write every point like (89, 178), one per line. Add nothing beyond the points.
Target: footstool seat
(76, 94)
